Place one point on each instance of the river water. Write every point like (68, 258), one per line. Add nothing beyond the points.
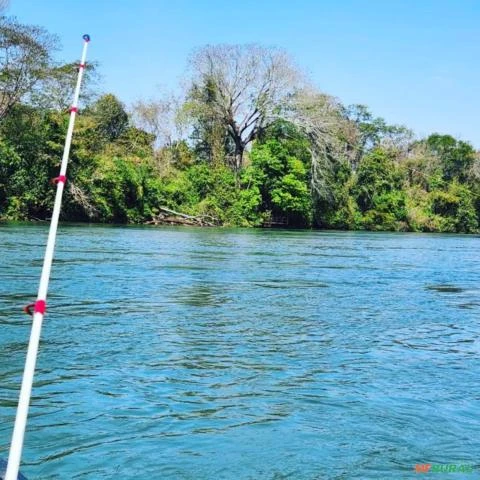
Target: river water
(243, 354)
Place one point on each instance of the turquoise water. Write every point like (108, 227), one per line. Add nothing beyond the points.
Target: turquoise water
(234, 354)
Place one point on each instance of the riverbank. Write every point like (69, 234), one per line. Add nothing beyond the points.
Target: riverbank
(184, 221)
(272, 191)
(433, 186)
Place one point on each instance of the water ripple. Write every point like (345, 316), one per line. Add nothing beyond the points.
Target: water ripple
(198, 354)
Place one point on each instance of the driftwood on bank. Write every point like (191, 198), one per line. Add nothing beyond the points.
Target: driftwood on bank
(171, 217)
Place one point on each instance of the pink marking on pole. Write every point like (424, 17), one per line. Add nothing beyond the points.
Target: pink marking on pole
(82, 65)
(73, 109)
(40, 307)
(60, 178)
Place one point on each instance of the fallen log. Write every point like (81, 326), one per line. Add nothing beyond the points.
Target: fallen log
(168, 216)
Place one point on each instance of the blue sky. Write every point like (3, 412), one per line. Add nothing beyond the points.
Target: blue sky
(414, 62)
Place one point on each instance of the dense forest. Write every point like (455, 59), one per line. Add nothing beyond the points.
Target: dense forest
(249, 142)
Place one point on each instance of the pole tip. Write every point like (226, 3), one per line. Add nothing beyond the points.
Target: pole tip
(86, 37)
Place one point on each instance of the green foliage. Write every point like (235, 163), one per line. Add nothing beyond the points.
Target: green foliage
(9, 166)
(376, 177)
(55, 90)
(291, 195)
(365, 175)
(123, 190)
(279, 170)
(246, 210)
(203, 190)
(372, 132)
(110, 116)
(340, 210)
(456, 207)
(134, 141)
(25, 60)
(118, 179)
(378, 192)
(209, 134)
(281, 179)
(31, 139)
(456, 156)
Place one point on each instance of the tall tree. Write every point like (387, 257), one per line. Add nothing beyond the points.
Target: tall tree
(159, 117)
(319, 118)
(240, 87)
(110, 116)
(25, 59)
(55, 90)
(370, 132)
(457, 157)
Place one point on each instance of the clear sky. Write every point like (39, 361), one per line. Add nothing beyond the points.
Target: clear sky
(414, 62)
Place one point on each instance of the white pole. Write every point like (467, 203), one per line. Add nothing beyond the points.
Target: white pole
(40, 305)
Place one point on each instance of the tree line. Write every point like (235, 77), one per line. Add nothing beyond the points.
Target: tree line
(249, 142)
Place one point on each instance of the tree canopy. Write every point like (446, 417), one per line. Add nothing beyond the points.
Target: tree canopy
(251, 142)
(240, 88)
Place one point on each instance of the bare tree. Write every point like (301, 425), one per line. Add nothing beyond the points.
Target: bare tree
(25, 59)
(319, 117)
(475, 170)
(159, 117)
(241, 87)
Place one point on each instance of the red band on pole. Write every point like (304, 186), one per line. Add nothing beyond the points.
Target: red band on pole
(73, 109)
(82, 65)
(60, 178)
(39, 306)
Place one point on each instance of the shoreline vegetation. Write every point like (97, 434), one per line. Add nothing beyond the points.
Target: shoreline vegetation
(250, 142)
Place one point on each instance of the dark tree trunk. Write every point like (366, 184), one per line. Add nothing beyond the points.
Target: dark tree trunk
(239, 149)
